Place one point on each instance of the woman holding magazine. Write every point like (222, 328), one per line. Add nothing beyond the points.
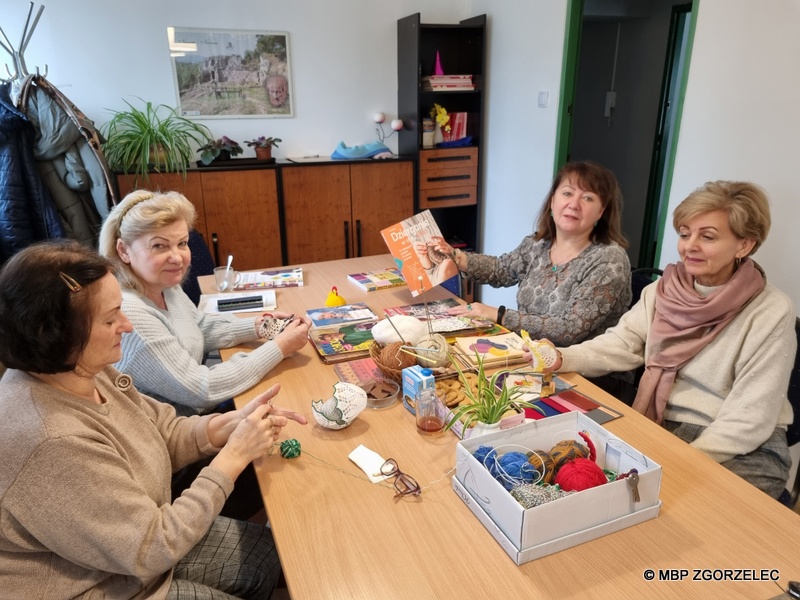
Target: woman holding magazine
(573, 272)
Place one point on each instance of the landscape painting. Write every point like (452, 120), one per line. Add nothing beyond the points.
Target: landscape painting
(231, 73)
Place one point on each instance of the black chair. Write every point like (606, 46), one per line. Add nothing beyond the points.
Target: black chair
(202, 264)
(790, 497)
(640, 279)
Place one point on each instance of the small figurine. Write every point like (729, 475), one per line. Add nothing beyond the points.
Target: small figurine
(334, 299)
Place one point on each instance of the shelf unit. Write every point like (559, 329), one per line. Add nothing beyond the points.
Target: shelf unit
(453, 193)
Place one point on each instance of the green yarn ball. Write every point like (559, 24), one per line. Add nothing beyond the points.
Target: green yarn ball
(290, 448)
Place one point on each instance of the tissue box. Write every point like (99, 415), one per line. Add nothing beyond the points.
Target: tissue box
(528, 534)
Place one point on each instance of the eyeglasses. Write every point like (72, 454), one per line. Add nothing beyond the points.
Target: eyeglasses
(405, 485)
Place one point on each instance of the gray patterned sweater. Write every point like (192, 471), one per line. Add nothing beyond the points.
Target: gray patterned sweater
(574, 302)
(164, 352)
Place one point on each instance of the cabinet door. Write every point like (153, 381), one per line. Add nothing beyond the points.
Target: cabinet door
(242, 217)
(382, 195)
(316, 208)
(190, 187)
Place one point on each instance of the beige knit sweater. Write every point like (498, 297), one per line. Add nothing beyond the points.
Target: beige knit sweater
(85, 507)
(735, 386)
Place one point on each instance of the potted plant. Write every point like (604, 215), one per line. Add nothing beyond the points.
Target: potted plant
(487, 405)
(154, 138)
(263, 146)
(220, 149)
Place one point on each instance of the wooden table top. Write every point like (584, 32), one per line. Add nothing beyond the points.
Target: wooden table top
(341, 537)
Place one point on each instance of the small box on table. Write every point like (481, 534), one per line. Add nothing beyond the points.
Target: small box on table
(528, 534)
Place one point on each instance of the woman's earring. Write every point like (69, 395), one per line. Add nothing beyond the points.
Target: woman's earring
(595, 223)
(736, 262)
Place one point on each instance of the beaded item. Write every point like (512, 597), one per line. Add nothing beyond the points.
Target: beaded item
(338, 411)
(531, 494)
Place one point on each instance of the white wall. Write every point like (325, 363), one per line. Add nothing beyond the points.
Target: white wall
(740, 119)
(343, 54)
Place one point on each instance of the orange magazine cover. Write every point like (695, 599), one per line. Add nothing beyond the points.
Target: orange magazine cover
(413, 244)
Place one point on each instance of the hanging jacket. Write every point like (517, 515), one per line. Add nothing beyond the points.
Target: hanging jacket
(70, 159)
(27, 211)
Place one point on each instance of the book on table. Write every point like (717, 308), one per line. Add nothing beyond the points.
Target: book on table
(495, 351)
(277, 278)
(371, 281)
(435, 313)
(342, 342)
(326, 316)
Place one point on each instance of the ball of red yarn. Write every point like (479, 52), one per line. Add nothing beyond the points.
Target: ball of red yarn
(580, 474)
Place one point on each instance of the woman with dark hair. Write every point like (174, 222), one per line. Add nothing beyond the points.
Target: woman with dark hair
(85, 503)
(573, 273)
(717, 341)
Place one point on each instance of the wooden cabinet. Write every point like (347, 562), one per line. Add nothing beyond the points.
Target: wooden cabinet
(237, 211)
(448, 177)
(338, 211)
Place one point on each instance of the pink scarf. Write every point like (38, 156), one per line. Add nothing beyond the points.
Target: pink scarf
(684, 324)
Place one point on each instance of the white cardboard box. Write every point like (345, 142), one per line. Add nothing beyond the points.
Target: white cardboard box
(527, 534)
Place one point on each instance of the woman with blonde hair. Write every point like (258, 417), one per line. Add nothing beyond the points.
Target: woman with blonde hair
(717, 341)
(146, 237)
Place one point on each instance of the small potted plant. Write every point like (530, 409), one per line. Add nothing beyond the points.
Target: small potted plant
(488, 404)
(263, 146)
(220, 149)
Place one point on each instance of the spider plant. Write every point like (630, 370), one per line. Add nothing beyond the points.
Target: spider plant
(153, 138)
(489, 404)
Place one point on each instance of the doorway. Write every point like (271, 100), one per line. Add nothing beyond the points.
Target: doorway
(624, 75)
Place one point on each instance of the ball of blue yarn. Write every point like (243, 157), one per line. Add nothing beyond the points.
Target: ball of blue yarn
(514, 469)
(486, 455)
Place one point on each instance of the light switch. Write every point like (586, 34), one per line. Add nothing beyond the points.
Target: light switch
(543, 96)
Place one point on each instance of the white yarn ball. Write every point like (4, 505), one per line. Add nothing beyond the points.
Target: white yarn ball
(411, 328)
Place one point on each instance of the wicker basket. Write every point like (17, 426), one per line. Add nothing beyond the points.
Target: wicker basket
(389, 372)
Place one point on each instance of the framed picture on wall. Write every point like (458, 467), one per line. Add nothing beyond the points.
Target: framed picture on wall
(231, 73)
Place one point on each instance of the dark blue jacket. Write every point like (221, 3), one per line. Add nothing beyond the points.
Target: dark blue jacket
(27, 211)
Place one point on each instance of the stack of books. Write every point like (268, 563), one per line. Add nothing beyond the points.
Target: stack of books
(341, 333)
(378, 280)
(271, 279)
(447, 83)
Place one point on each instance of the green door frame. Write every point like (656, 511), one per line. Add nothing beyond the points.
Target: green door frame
(569, 74)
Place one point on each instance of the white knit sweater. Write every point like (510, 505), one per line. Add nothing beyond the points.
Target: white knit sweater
(165, 350)
(735, 386)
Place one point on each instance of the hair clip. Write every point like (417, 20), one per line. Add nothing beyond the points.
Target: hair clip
(73, 285)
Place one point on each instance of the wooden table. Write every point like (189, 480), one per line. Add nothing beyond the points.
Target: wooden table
(341, 537)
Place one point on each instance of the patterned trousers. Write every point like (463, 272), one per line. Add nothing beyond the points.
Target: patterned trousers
(235, 559)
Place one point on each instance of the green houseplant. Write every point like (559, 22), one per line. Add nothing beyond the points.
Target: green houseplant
(263, 146)
(487, 404)
(220, 149)
(155, 137)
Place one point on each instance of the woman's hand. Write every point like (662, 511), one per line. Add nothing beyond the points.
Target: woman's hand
(474, 310)
(438, 243)
(249, 432)
(545, 349)
(294, 336)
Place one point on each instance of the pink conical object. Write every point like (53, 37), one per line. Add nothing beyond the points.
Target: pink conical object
(437, 68)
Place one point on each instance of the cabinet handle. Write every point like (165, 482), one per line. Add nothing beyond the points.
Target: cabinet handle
(215, 243)
(449, 158)
(447, 197)
(358, 237)
(346, 239)
(449, 177)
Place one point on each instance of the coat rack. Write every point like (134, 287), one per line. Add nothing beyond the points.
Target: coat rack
(18, 55)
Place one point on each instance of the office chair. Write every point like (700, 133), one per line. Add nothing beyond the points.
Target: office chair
(202, 264)
(640, 279)
(790, 497)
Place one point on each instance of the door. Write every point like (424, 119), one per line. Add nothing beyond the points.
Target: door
(382, 195)
(316, 208)
(625, 53)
